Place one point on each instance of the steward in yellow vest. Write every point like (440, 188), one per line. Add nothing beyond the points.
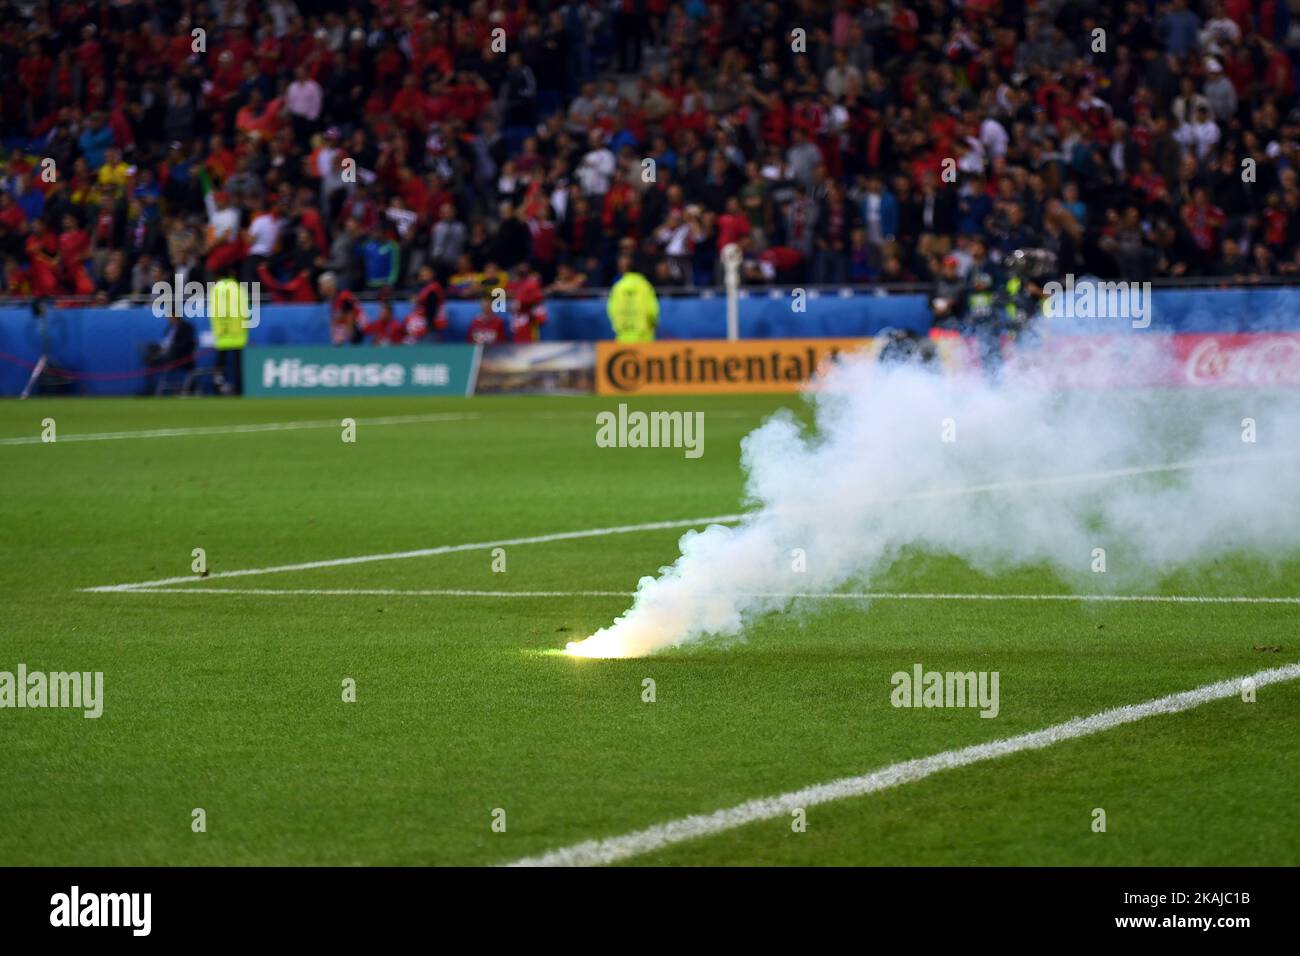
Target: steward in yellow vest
(228, 312)
(632, 306)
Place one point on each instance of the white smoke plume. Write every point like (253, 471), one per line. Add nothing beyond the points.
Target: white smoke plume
(1036, 474)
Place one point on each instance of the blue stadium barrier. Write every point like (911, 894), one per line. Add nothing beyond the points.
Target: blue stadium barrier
(105, 344)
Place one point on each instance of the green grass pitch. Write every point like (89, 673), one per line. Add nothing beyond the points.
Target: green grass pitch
(232, 702)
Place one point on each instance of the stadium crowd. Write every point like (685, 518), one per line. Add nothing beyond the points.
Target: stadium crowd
(399, 145)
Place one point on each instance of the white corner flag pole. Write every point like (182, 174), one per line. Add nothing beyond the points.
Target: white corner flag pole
(731, 257)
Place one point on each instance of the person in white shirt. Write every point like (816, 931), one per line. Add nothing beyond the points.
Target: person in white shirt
(1188, 101)
(329, 167)
(994, 137)
(223, 218)
(843, 78)
(678, 237)
(872, 203)
(225, 243)
(282, 13)
(971, 156)
(263, 235)
(263, 231)
(596, 171)
(1219, 32)
(302, 101)
(402, 218)
(1199, 135)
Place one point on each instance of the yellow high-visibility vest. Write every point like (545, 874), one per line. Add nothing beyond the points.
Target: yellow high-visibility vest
(228, 311)
(633, 308)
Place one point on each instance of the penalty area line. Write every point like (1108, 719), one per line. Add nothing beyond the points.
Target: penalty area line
(650, 839)
(793, 595)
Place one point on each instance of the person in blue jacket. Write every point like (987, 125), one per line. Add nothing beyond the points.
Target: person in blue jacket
(95, 141)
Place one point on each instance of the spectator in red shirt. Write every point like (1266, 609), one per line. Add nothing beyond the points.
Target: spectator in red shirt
(34, 74)
(90, 54)
(733, 224)
(11, 216)
(259, 118)
(179, 47)
(345, 313)
(428, 306)
(529, 315)
(487, 328)
(74, 252)
(545, 248)
(408, 105)
(16, 279)
(383, 329)
(1203, 220)
(42, 250)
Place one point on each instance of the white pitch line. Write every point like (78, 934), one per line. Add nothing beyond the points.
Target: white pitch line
(1012, 485)
(296, 425)
(1113, 598)
(371, 592)
(1128, 472)
(613, 849)
(426, 552)
(852, 595)
(243, 429)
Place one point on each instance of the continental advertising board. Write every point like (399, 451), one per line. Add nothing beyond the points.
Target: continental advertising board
(703, 366)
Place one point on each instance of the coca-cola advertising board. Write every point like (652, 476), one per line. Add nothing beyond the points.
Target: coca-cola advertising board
(1230, 360)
